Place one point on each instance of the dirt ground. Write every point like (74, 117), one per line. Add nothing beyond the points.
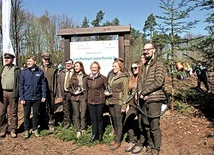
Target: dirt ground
(182, 135)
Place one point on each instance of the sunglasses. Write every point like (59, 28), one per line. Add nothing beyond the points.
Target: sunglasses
(7, 58)
(47, 59)
(134, 68)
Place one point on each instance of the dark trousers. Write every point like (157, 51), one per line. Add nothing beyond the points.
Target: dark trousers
(117, 117)
(10, 115)
(152, 125)
(205, 82)
(27, 111)
(67, 108)
(47, 111)
(131, 125)
(79, 112)
(96, 116)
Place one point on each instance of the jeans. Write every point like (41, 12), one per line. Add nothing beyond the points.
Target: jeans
(27, 111)
(5, 116)
(96, 116)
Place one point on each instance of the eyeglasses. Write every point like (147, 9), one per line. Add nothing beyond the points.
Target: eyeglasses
(133, 68)
(7, 58)
(148, 49)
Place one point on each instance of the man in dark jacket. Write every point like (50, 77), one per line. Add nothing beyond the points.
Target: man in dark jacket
(64, 94)
(32, 91)
(151, 83)
(202, 75)
(9, 96)
(48, 106)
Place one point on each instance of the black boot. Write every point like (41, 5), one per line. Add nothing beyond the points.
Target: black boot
(93, 138)
(100, 138)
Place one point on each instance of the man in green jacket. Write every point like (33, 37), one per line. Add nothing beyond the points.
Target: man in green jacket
(9, 96)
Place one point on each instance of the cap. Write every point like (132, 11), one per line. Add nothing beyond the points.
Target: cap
(46, 55)
(9, 55)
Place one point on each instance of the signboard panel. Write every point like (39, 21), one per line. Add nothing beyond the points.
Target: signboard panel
(103, 52)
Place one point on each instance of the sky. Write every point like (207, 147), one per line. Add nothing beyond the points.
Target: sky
(128, 12)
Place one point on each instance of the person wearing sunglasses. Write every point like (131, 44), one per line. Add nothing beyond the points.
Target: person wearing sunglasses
(131, 123)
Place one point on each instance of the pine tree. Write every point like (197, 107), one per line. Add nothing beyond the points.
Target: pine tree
(174, 23)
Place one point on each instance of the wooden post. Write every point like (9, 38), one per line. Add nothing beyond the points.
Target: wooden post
(67, 48)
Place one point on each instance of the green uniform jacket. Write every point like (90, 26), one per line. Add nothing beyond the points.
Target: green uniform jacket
(119, 89)
(17, 72)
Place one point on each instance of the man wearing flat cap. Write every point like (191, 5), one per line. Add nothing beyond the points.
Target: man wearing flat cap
(9, 96)
(47, 68)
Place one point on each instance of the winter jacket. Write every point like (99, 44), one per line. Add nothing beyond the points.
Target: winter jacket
(96, 88)
(74, 82)
(119, 89)
(32, 84)
(151, 83)
(17, 71)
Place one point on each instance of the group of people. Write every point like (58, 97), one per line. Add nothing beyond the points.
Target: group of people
(184, 71)
(37, 86)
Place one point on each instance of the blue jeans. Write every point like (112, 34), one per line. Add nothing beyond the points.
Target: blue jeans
(27, 110)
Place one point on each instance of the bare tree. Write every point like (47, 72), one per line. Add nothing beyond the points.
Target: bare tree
(17, 26)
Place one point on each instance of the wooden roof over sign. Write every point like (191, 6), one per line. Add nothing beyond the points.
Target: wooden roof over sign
(90, 31)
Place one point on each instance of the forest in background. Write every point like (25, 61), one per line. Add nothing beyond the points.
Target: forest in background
(35, 35)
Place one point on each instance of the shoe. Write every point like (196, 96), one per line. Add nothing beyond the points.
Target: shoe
(83, 132)
(51, 128)
(79, 134)
(51, 121)
(66, 126)
(115, 146)
(148, 151)
(112, 143)
(93, 138)
(26, 134)
(100, 138)
(2, 134)
(155, 152)
(36, 133)
(130, 147)
(137, 149)
(13, 134)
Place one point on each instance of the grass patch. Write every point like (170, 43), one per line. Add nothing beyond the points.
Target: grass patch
(70, 135)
